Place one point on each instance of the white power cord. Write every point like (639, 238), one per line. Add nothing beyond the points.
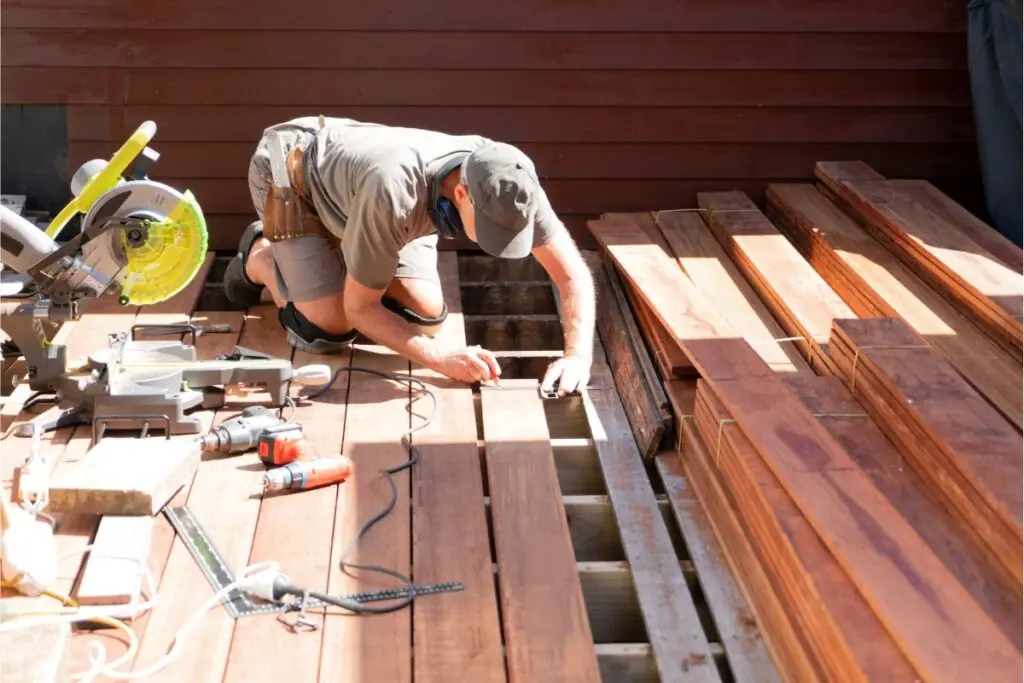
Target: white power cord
(257, 579)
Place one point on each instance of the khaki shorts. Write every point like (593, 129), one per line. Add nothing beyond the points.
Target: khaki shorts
(309, 268)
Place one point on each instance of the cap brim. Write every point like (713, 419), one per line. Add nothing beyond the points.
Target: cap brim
(502, 242)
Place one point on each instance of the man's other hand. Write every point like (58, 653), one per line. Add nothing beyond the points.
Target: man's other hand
(572, 373)
(469, 365)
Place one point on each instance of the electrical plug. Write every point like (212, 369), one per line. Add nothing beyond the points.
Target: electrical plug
(264, 583)
(312, 375)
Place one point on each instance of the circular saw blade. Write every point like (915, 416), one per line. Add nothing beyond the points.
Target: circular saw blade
(165, 257)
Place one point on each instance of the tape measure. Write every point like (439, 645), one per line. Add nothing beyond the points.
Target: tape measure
(239, 603)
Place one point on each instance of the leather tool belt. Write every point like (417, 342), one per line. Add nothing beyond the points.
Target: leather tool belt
(289, 213)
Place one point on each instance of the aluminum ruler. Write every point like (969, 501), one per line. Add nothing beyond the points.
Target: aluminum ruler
(241, 604)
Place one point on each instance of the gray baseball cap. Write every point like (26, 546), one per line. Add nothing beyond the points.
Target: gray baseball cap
(506, 197)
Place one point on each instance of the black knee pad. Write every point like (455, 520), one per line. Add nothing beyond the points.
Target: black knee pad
(304, 335)
(411, 315)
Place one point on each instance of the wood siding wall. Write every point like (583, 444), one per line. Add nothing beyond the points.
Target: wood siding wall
(624, 106)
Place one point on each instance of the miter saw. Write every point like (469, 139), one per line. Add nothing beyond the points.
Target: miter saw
(143, 242)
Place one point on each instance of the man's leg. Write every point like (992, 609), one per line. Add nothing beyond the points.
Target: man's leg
(304, 276)
(415, 292)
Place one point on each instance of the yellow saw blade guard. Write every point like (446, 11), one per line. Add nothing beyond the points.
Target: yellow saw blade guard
(169, 259)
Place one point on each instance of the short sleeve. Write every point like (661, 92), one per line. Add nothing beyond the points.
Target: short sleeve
(372, 237)
(548, 224)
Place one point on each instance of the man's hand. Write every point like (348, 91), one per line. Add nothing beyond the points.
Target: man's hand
(572, 373)
(469, 365)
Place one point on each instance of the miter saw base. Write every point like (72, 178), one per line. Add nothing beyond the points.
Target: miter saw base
(133, 384)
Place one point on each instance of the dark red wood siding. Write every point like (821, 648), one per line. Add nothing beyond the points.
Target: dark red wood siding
(624, 106)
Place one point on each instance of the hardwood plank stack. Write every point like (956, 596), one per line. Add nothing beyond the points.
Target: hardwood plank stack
(937, 249)
(875, 283)
(867, 495)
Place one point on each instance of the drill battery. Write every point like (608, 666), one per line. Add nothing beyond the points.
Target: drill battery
(282, 444)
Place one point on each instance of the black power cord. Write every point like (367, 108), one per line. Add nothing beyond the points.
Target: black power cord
(410, 588)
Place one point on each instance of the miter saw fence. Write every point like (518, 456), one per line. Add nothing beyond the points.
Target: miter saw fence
(143, 242)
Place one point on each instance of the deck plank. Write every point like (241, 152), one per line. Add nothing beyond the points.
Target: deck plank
(547, 633)
(680, 645)
(457, 636)
(219, 479)
(372, 647)
(294, 529)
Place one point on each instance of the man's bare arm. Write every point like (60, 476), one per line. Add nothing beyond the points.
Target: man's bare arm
(365, 312)
(571, 275)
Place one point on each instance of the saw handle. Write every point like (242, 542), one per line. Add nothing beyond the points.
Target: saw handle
(106, 179)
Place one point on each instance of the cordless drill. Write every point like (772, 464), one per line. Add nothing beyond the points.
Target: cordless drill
(241, 434)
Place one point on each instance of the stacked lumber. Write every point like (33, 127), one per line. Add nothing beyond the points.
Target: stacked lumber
(860, 472)
(875, 283)
(801, 300)
(957, 442)
(938, 249)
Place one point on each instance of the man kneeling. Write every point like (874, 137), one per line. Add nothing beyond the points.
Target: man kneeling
(362, 255)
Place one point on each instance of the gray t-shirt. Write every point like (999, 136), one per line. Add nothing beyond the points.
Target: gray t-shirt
(370, 184)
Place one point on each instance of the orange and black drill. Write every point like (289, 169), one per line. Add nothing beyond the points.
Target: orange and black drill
(296, 463)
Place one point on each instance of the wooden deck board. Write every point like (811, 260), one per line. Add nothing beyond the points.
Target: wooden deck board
(458, 635)
(439, 528)
(547, 632)
(681, 648)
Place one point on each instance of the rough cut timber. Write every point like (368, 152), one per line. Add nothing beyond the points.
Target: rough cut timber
(911, 592)
(956, 441)
(671, 620)
(800, 299)
(875, 283)
(123, 476)
(938, 250)
(642, 394)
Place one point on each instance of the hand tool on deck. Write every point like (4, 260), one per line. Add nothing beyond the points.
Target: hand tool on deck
(283, 444)
(142, 241)
(244, 601)
(307, 474)
(241, 433)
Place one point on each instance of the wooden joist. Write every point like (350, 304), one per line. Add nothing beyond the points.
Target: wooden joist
(940, 251)
(875, 283)
(957, 442)
(642, 394)
(910, 591)
(799, 298)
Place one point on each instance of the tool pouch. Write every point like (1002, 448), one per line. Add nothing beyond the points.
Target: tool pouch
(289, 212)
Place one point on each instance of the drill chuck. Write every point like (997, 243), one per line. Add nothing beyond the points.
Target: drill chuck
(306, 474)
